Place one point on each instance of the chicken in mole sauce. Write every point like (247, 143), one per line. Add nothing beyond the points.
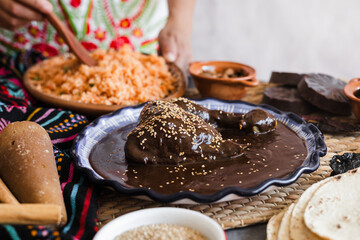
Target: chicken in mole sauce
(181, 131)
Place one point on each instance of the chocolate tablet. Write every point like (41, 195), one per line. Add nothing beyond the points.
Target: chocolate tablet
(287, 99)
(325, 92)
(286, 78)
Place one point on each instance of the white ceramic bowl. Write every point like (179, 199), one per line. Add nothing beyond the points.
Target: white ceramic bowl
(169, 215)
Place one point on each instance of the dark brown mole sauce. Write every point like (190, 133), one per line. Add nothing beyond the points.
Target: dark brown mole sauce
(272, 155)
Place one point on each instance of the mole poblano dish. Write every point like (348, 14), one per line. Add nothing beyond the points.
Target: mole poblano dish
(179, 146)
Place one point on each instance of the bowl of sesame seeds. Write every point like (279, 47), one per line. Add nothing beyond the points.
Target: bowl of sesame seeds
(271, 160)
(162, 223)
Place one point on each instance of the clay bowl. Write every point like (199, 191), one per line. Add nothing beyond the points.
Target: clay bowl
(233, 88)
(352, 91)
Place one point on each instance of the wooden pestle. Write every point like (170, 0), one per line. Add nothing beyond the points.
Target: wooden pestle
(5, 195)
(27, 165)
(30, 213)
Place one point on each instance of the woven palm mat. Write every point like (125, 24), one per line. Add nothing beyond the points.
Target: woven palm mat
(244, 211)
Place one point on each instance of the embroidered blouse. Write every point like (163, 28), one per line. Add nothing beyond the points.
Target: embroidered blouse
(96, 23)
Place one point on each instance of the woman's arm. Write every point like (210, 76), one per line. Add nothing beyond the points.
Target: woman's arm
(175, 37)
(15, 14)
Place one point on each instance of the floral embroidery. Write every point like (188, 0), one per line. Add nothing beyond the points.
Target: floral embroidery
(34, 31)
(119, 41)
(58, 39)
(97, 23)
(75, 3)
(137, 32)
(45, 49)
(89, 45)
(125, 23)
(20, 38)
(100, 34)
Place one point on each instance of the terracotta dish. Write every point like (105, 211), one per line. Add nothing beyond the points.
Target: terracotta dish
(352, 91)
(98, 109)
(218, 86)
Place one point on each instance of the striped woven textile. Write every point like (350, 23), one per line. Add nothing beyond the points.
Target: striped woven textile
(79, 194)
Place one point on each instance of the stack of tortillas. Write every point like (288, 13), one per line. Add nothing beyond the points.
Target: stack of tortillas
(329, 209)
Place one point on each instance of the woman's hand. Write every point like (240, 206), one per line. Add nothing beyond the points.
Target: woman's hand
(15, 14)
(175, 37)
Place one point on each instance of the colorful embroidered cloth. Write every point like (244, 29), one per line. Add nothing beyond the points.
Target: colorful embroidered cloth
(62, 126)
(96, 23)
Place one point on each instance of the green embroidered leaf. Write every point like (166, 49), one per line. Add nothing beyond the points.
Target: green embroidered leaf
(129, 8)
(70, 20)
(104, 18)
(147, 14)
(149, 48)
(115, 9)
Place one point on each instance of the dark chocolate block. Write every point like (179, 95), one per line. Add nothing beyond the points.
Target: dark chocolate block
(325, 92)
(286, 78)
(287, 99)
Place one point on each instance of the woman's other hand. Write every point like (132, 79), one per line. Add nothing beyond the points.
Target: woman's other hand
(16, 14)
(175, 37)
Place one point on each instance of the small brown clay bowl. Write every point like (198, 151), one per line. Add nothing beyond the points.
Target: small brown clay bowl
(352, 91)
(226, 88)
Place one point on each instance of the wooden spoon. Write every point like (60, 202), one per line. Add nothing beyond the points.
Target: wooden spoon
(75, 46)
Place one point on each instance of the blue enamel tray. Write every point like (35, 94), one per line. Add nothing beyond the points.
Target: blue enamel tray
(105, 124)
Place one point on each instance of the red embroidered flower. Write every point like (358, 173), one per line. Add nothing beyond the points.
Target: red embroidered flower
(75, 3)
(89, 46)
(20, 38)
(125, 23)
(34, 31)
(59, 39)
(45, 49)
(137, 32)
(100, 34)
(124, 0)
(119, 42)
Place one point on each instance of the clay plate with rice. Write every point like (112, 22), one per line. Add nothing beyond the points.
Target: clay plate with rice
(121, 78)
